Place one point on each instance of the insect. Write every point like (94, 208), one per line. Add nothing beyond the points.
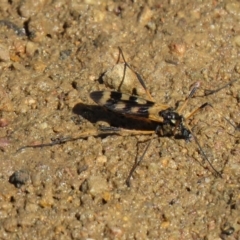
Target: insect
(168, 121)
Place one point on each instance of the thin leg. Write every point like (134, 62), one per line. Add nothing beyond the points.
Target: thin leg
(124, 132)
(197, 110)
(196, 140)
(95, 133)
(137, 74)
(205, 157)
(209, 92)
(137, 162)
(226, 119)
(62, 140)
(210, 105)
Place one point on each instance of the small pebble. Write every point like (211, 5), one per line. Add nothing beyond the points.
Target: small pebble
(10, 224)
(4, 53)
(3, 122)
(19, 178)
(97, 185)
(4, 142)
(236, 40)
(123, 79)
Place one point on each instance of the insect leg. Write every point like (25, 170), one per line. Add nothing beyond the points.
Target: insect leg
(226, 119)
(209, 92)
(210, 105)
(197, 110)
(124, 132)
(196, 140)
(137, 162)
(62, 140)
(95, 133)
(137, 74)
(205, 156)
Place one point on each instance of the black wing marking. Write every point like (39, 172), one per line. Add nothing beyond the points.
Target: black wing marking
(128, 104)
(122, 103)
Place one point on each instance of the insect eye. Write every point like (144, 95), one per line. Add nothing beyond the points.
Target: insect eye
(169, 115)
(166, 114)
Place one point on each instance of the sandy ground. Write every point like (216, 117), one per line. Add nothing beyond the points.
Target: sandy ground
(52, 55)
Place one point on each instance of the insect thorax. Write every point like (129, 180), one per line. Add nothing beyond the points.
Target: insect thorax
(173, 124)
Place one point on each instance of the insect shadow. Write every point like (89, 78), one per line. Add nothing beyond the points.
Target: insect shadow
(95, 114)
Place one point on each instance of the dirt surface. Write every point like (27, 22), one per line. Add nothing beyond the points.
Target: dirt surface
(52, 55)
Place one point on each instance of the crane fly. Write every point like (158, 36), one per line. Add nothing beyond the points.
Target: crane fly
(169, 121)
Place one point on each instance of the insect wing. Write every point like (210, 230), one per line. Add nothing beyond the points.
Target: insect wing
(129, 105)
